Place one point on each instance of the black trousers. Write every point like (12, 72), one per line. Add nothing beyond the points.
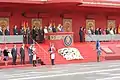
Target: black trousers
(52, 61)
(14, 60)
(81, 38)
(23, 60)
(31, 59)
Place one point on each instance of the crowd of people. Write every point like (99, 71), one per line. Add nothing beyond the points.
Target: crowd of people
(6, 53)
(97, 31)
(15, 53)
(32, 33)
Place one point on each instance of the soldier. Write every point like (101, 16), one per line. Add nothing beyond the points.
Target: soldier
(98, 48)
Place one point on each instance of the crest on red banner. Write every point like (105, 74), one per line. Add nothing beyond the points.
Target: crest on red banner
(68, 41)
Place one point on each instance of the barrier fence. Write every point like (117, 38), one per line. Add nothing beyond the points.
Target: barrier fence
(115, 37)
(20, 38)
(11, 39)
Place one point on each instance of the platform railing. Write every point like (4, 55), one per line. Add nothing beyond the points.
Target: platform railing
(115, 37)
(40, 50)
(11, 39)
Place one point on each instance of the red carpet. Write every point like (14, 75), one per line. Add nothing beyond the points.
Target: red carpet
(18, 59)
(87, 50)
(115, 47)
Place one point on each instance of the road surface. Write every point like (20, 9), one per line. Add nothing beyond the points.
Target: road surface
(109, 70)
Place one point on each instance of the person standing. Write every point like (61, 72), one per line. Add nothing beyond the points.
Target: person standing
(92, 30)
(14, 54)
(1, 32)
(5, 52)
(100, 31)
(97, 31)
(81, 34)
(60, 28)
(50, 28)
(30, 53)
(41, 34)
(15, 30)
(28, 35)
(98, 49)
(45, 29)
(54, 28)
(34, 33)
(107, 31)
(7, 31)
(52, 54)
(0, 54)
(22, 30)
(84, 33)
(22, 54)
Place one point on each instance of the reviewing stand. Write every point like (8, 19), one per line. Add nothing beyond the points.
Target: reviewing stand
(60, 39)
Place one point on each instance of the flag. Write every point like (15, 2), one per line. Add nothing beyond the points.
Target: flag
(24, 26)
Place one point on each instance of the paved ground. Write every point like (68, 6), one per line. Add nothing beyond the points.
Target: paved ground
(109, 70)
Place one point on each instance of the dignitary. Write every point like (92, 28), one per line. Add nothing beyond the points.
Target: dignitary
(5, 53)
(107, 31)
(111, 31)
(97, 31)
(0, 54)
(30, 53)
(41, 34)
(1, 32)
(7, 31)
(50, 28)
(28, 35)
(22, 31)
(22, 54)
(34, 33)
(100, 31)
(92, 30)
(15, 30)
(54, 28)
(14, 54)
(45, 29)
(81, 34)
(60, 28)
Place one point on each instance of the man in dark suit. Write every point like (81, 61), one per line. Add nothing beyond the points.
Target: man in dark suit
(22, 54)
(22, 31)
(7, 31)
(54, 28)
(97, 31)
(15, 31)
(81, 34)
(30, 53)
(28, 35)
(41, 34)
(34, 33)
(1, 32)
(14, 54)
